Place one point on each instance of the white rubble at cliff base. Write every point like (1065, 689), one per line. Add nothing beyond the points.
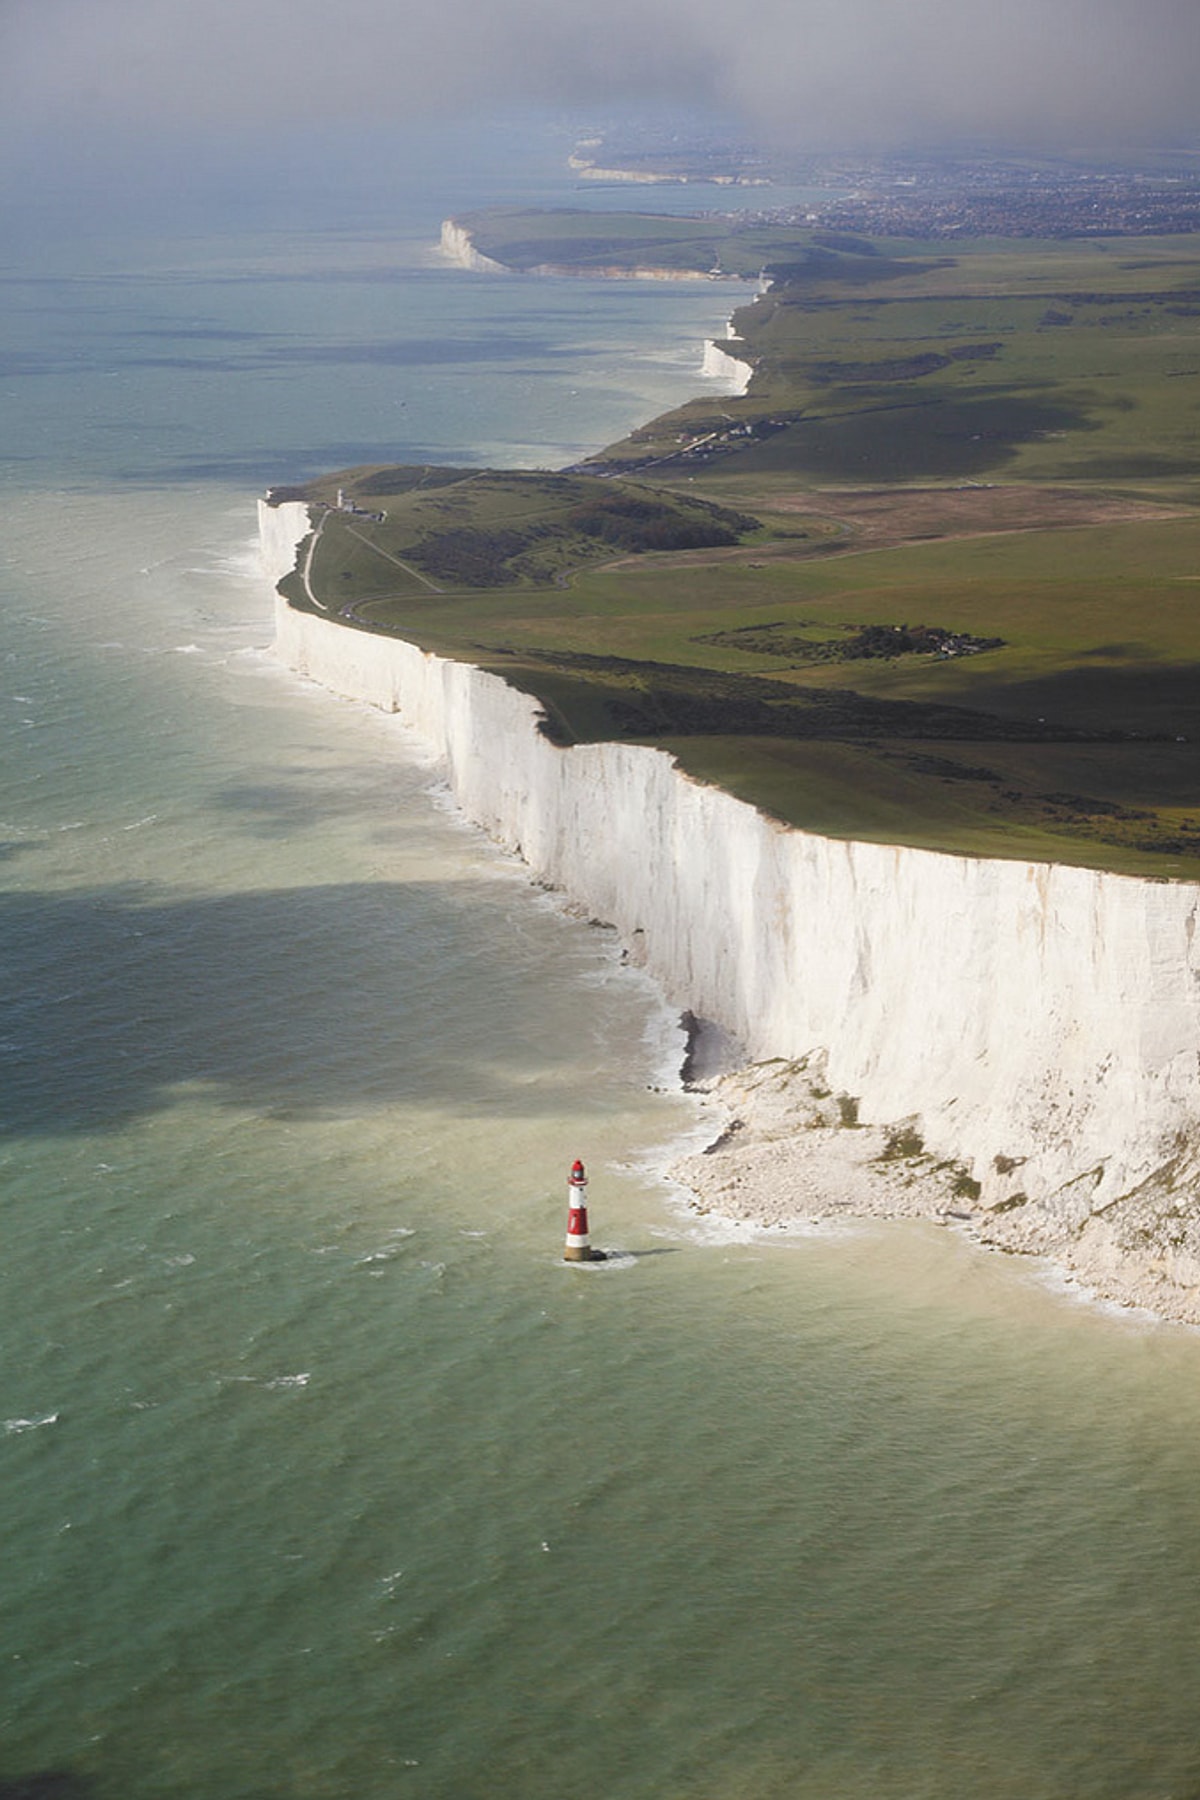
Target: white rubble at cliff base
(791, 1152)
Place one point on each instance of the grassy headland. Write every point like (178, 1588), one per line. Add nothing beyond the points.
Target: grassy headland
(934, 579)
(597, 243)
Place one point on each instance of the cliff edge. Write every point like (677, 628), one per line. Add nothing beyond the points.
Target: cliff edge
(1028, 1034)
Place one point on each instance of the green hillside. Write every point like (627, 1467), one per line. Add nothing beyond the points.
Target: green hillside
(932, 580)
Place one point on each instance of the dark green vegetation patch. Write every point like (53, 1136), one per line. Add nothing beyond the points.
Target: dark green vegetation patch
(856, 644)
(655, 700)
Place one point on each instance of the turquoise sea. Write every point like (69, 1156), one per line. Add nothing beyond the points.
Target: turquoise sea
(321, 1476)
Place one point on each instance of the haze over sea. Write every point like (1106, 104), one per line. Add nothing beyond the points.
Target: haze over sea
(322, 1476)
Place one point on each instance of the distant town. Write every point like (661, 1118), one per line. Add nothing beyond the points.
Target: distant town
(934, 199)
(928, 196)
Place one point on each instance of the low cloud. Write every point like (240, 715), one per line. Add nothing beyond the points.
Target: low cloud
(813, 73)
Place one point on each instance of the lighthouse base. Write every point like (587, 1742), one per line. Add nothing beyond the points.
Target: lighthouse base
(583, 1253)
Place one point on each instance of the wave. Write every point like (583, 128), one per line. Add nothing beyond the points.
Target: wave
(15, 1426)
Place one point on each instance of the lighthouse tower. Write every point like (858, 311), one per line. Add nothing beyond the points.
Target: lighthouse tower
(578, 1246)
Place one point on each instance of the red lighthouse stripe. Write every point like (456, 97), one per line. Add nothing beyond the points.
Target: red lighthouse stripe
(577, 1225)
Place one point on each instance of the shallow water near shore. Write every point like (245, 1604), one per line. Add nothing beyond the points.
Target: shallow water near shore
(323, 1475)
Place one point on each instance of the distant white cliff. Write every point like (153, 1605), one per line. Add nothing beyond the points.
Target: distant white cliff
(458, 246)
(722, 363)
(590, 171)
(1040, 1024)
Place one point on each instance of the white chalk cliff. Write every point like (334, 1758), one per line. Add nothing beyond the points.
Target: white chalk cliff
(458, 247)
(1041, 1024)
(721, 364)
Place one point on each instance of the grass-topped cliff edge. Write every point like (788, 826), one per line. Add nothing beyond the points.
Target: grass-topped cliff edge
(933, 579)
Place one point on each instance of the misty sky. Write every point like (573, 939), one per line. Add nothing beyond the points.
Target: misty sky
(813, 73)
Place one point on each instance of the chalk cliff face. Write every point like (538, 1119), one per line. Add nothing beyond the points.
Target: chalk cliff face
(720, 365)
(281, 530)
(1040, 1023)
(589, 171)
(458, 247)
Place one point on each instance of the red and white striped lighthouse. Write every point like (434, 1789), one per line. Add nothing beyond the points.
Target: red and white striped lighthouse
(578, 1248)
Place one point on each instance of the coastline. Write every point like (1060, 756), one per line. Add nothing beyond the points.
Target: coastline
(784, 1159)
(457, 246)
(990, 1099)
(1005, 1047)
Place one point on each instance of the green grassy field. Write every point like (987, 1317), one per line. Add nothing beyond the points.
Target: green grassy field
(1056, 363)
(997, 445)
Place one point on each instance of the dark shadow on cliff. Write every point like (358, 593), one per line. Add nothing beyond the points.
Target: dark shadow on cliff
(325, 1001)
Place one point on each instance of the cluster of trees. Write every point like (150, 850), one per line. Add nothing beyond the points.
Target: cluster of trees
(906, 640)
